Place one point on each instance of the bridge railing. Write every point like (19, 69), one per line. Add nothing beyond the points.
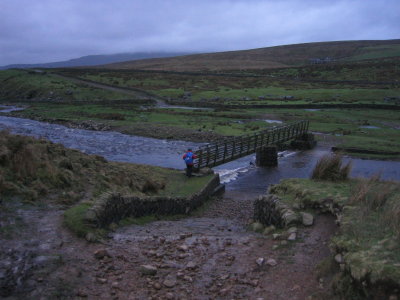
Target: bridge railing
(230, 149)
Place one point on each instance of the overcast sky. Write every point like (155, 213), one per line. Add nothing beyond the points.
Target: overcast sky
(36, 31)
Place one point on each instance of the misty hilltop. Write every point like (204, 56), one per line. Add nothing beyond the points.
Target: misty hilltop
(94, 60)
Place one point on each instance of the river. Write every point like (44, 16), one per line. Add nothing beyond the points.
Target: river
(240, 175)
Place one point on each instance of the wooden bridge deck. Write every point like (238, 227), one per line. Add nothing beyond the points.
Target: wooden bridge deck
(227, 150)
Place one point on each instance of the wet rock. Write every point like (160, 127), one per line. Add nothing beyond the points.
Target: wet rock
(254, 282)
(292, 230)
(339, 258)
(269, 230)
(260, 261)
(101, 253)
(169, 282)
(228, 242)
(206, 171)
(342, 267)
(47, 260)
(169, 296)
(183, 248)
(183, 255)
(191, 265)
(307, 219)
(292, 237)
(276, 236)
(157, 286)
(82, 293)
(101, 280)
(290, 217)
(271, 262)
(257, 227)
(148, 270)
(224, 292)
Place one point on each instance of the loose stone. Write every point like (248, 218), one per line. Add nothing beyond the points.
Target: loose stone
(307, 219)
(292, 237)
(260, 261)
(271, 262)
(99, 254)
(169, 282)
(148, 270)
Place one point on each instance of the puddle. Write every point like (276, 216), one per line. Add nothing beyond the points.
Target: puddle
(7, 109)
(370, 127)
(273, 121)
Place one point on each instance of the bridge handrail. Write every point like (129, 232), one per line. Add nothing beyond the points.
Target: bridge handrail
(235, 147)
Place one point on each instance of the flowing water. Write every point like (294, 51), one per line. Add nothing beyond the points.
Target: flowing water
(241, 175)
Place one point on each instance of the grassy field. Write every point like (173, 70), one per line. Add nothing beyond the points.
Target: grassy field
(365, 129)
(273, 87)
(20, 85)
(362, 82)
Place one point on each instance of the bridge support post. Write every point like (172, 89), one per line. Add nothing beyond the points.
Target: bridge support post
(267, 157)
(304, 142)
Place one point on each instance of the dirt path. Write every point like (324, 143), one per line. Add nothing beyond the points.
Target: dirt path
(208, 256)
(127, 91)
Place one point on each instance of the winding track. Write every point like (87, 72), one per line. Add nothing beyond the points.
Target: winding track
(137, 93)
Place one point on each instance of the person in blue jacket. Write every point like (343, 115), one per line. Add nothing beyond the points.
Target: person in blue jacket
(188, 157)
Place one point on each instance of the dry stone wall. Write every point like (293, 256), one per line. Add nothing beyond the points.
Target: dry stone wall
(112, 207)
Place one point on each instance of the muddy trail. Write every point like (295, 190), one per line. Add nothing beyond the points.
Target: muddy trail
(210, 255)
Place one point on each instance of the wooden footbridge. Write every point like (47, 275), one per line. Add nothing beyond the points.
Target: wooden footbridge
(227, 150)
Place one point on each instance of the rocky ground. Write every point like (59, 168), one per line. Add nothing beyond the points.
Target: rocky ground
(211, 255)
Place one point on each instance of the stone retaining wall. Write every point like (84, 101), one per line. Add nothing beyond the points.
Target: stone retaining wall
(113, 207)
(270, 210)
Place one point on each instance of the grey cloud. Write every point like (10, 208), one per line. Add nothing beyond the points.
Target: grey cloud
(50, 30)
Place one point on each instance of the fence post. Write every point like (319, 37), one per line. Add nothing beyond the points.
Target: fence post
(233, 148)
(223, 159)
(200, 158)
(208, 156)
(216, 154)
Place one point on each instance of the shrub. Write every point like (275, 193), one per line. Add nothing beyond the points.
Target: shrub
(330, 167)
(372, 194)
(393, 217)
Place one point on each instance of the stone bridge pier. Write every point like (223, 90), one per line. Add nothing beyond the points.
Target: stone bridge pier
(268, 156)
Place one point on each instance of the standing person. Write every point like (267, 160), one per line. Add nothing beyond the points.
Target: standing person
(188, 157)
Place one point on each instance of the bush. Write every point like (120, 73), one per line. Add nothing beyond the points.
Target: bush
(371, 194)
(330, 167)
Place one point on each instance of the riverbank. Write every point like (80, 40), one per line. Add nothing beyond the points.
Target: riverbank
(364, 263)
(366, 133)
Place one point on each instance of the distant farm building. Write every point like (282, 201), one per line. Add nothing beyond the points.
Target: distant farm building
(324, 60)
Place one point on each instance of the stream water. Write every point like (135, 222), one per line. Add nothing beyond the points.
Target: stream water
(240, 175)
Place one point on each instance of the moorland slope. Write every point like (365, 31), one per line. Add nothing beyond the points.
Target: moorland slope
(270, 57)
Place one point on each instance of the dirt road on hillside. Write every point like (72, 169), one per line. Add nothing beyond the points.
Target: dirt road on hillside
(136, 93)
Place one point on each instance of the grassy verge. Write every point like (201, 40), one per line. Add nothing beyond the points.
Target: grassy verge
(37, 171)
(368, 242)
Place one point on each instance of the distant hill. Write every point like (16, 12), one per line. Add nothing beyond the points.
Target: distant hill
(93, 60)
(271, 57)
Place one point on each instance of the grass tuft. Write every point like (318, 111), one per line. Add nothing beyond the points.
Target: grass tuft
(330, 167)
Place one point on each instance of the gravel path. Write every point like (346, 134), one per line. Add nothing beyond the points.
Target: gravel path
(211, 255)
